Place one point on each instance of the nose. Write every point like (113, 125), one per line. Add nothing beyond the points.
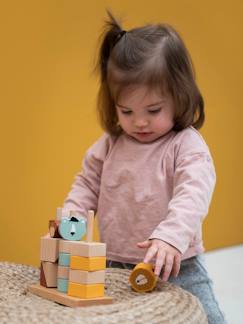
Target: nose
(141, 122)
(72, 232)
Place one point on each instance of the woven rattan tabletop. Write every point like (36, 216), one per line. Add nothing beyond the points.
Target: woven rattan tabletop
(166, 304)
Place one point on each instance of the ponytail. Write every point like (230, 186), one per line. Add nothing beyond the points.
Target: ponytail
(111, 36)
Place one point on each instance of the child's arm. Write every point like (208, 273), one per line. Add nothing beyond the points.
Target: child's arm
(84, 193)
(194, 182)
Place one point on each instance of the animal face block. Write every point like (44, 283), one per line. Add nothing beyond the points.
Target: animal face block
(142, 277)
(72, 229)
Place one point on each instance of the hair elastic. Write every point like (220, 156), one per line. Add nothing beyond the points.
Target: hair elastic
(119, 36)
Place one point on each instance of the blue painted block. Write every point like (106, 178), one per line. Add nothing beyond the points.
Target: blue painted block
(62, 285)
(64, 259)
(72, 228)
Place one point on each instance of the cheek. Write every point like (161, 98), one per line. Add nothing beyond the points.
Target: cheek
(123, 121)
(160, 120)
(164, 122)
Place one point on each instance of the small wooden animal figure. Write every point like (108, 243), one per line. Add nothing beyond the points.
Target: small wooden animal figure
(53, 228)
(54, 223)
(142, 278)
(72, 228)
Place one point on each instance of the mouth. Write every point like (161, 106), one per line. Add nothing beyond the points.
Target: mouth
(143, 133)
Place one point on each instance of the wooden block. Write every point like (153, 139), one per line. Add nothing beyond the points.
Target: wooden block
(72, 229)
(62, 285)
(85, 291)
(88, 249)
(53, 228)
(64, 259)
(142, 277)
(48, 274)
(61, 298)
(87, 264)
(65, 246)
(63, 272)
(87, 277)
(42, 276)
(49, 249)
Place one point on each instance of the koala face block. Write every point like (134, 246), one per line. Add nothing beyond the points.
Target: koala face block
(72, 229)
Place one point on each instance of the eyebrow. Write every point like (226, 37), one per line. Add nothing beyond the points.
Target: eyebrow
(150, 105)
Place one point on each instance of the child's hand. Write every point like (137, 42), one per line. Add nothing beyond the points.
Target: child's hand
(167, 256)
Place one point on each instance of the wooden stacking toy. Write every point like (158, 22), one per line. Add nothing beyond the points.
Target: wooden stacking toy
(72, 272)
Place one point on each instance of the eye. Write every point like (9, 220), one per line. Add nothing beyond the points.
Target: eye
(155, 111)
(126, 112)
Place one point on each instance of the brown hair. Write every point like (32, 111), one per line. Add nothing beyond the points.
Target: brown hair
(153, 55)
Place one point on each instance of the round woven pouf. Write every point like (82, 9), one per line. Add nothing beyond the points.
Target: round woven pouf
(166, 304)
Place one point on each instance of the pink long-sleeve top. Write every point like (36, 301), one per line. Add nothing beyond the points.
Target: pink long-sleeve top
(143, 191)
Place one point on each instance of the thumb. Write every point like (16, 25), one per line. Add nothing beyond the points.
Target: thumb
(144, 244)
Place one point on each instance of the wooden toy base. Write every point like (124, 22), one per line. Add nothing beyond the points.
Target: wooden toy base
(61, 298)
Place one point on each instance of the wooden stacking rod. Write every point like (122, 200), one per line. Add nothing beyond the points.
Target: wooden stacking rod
(90, 226)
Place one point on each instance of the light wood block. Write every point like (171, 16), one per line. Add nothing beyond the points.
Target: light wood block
(62, 272)
(49, 249)
(88, 249)
(87, 264)
(85, 291)
(48, 274)
(87, 277)
(61, 298)
(65, 246)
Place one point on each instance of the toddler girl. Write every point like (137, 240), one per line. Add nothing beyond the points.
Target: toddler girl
(150, 177)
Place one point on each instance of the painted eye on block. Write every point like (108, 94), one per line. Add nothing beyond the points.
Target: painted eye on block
(141, 280)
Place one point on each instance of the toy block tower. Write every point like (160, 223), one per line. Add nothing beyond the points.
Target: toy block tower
(76, 268)
(87, 266)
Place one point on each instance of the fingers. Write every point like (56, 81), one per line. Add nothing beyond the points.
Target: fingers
(176, 266)
(168, 257)
(169, 261)
(159, 262)
(150, 253)
(144, 244)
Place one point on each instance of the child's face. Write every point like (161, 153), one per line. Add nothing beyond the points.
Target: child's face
(143, 115)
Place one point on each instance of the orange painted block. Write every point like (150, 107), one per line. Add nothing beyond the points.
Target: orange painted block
(87, 277)
(49, 249)
(88, 249)
(87, 264)
(85, 291)
(142, 277)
